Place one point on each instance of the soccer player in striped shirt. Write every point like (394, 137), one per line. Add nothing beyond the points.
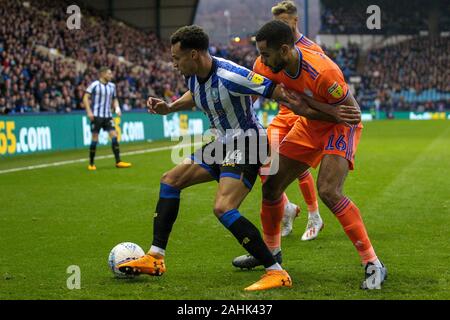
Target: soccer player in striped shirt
(102, 94)
(223, 90)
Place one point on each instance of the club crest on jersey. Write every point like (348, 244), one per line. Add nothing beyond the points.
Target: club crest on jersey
(336, 90)
(215, 94)
(255, 78)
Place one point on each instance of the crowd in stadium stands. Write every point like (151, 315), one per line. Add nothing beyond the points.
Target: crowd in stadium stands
(411, 75)
(397, 17)
(33, 80)
(346, 58)
(241, 19)
(398, 77)
(242, 55)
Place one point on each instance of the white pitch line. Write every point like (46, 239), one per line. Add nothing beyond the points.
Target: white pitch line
(62, 163)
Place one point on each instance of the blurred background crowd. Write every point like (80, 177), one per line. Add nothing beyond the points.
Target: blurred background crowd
(48, 71)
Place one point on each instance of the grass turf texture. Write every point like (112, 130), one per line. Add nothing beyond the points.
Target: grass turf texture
(56, 217)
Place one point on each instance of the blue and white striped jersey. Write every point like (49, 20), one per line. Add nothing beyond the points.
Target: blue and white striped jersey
(226, 96)
(102, 96)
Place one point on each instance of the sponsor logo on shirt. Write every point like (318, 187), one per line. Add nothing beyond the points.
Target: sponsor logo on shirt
(336, 90)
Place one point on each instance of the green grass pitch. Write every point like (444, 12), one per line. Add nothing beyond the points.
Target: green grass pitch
(56, 217)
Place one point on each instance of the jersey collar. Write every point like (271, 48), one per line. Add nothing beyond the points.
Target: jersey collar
(299, 38)
(213, 69)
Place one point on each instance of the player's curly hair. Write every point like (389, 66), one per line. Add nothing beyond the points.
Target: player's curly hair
(288, 7)
(191, 37)
(276, 33)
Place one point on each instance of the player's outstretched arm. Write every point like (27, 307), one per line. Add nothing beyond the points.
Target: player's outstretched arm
(315, 110)
(158, 106)
(348, 111)
(298, 105)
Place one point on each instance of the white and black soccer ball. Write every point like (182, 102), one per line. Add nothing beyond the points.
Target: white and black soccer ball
(121, 253)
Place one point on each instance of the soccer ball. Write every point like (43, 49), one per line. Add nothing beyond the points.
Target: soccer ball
(121, 253)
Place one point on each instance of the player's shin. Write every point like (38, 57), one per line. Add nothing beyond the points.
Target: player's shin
(306, 185)
(115, 149)
(92, 150)
(165, 216)
(249, 237)
(271, 217)
(349, 216)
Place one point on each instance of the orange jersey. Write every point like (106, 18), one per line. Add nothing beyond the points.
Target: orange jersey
(308, 141)
(317, 76)
(302, 43)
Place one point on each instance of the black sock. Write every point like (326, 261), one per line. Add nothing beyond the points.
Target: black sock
(166, 214)
(92, 149)
(248, 236)
(115, 149)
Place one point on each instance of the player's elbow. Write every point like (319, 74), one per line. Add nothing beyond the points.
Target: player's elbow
(351, 101)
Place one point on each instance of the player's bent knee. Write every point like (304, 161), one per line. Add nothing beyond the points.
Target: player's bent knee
(271, 192)
(220, 208)
(172, 180)
(218, 211)
(328, 194)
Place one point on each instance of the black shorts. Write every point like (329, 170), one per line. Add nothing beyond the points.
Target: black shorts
(106, 124)
(240, 159)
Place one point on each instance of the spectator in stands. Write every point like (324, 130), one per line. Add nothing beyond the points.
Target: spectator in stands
(3, 107)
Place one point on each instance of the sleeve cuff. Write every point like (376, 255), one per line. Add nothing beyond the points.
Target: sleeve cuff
(342, 99)
(270, 90)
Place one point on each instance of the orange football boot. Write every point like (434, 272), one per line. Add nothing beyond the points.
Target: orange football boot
(92, 167)
(122, 164)
(271, 279)
(148, 264)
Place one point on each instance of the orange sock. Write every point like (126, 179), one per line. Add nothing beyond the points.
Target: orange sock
(350, 218)
(308, 189)
(271, 216)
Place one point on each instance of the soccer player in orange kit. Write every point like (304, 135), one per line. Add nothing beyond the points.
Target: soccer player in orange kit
(313, 142)
(283, 122)
(286, 11)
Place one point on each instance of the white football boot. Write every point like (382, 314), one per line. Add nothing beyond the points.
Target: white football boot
(291, 211)
(314, 226)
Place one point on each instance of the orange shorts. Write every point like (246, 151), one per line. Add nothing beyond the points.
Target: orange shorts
(309, 140)
(280, 126)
